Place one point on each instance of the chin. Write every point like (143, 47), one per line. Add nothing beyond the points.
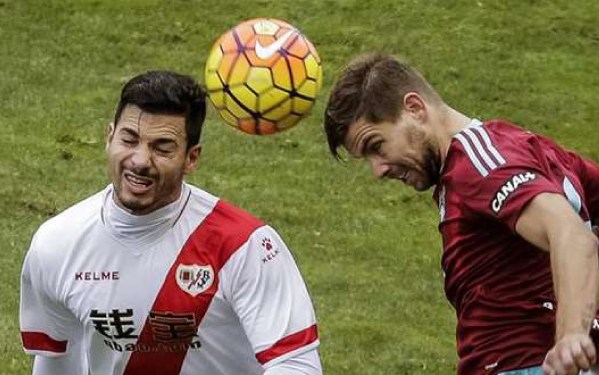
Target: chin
(137, 206)
(134, 204)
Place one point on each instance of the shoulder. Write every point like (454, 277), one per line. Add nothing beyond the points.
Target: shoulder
(479, 150)
(221, 213)
(223, 225)
(55, 234)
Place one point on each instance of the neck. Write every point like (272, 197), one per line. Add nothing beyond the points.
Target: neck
(142, 211)
(142, 228)
(450, 122)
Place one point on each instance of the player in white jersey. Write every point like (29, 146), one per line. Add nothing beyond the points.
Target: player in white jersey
(152, 276)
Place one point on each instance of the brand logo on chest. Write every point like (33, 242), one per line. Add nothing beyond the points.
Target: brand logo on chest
(509, 187)
(193, 278)
(97, 275)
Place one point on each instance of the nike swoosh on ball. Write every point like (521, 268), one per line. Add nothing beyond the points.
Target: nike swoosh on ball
(266, 52)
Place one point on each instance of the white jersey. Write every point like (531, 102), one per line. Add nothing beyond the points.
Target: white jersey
(198, 286)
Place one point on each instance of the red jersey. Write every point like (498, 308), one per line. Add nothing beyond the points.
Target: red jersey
(500, 285)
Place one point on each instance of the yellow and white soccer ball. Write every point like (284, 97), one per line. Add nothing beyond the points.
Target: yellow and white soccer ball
(263, 76)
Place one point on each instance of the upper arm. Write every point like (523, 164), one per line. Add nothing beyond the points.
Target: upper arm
(269, 295)
(498, 177)
(546, 217)
(47, 326)
(73, 362)
(307, 363)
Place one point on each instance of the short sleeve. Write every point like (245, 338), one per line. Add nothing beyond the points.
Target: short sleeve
(498, 180)
(270, 298)
(46, 325)
(589, 172)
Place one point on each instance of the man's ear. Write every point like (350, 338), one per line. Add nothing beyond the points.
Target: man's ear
(414, 104)
(192, 159)
(109, 133)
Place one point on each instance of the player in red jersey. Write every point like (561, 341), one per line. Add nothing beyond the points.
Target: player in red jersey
(515, 216)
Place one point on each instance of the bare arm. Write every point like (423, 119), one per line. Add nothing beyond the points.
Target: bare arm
(550, 223)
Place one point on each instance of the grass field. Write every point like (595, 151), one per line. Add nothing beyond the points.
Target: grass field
(369, 251)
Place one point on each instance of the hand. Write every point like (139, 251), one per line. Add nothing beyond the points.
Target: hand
(570, 354)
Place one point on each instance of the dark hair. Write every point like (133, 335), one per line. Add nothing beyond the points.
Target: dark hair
(372, 87)
(167, 92)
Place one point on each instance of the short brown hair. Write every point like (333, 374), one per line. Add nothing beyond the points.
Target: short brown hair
(372, 87)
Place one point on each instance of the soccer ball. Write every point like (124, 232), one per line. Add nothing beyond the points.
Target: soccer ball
(263, 76)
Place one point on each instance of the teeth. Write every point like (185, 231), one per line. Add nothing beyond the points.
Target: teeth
(137, 180)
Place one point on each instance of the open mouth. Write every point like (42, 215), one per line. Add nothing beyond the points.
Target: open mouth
(138, 184)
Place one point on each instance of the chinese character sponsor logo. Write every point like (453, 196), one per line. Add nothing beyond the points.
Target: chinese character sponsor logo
(509, 187)
(271, 250)
(194, 279)
(115, 324)
(154, 348)
(171, 332)
(169, 327)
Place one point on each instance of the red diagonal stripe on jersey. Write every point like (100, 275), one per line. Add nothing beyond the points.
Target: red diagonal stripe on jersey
(213, 242)
(41, 341)
(288, 344)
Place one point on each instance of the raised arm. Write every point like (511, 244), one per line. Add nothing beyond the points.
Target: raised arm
(550, 223)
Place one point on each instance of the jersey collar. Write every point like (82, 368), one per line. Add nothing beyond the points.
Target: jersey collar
(141, 229)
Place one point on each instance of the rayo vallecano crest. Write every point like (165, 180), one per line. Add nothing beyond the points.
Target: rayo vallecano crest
(194, 279)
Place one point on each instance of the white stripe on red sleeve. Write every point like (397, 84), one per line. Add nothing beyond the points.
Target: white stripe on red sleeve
(471, 155)
(485, 136)
(480, 149)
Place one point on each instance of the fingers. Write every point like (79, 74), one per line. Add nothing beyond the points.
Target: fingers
(549, 367)
(576, 358)
(590, 352)
(570, 355)
(558, 362)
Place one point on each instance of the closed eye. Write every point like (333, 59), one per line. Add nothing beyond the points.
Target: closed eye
(128, 136)
(128, 140)
(165, 146)
(374, 148)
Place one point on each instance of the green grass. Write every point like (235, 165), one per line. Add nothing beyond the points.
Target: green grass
(369, 251)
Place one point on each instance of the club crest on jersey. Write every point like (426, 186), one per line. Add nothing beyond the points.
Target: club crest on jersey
(194, 279)
(509, 187)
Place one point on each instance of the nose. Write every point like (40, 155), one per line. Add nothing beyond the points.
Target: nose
(141, 157)
(378, 166)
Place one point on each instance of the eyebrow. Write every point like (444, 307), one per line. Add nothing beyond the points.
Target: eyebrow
(128, 131)
(162, 140)
(365, 143)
